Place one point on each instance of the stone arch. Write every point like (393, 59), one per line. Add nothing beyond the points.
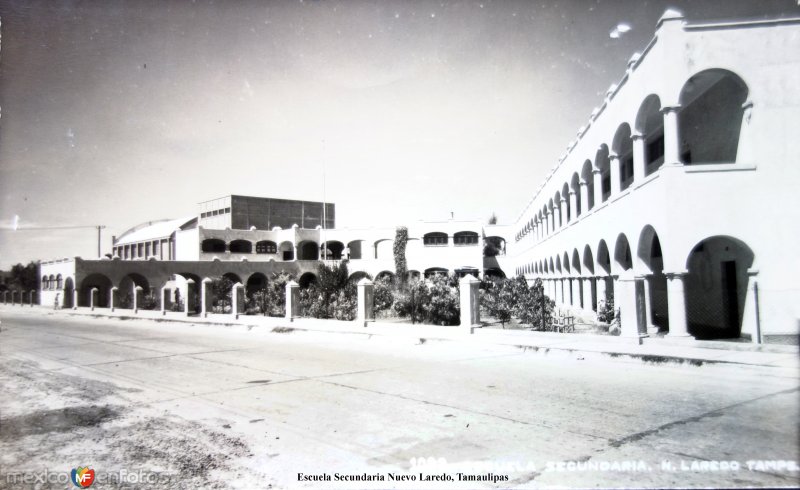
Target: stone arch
(332, 250)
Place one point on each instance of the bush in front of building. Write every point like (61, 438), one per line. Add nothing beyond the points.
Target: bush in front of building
(221, 289)
(504, 299)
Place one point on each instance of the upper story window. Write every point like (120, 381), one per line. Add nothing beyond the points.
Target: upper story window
(464, 238)
(435, 239)
(266, 247)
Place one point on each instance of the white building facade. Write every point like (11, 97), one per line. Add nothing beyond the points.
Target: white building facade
(677, 199)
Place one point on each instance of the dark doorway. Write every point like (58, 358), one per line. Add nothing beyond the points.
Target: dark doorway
(730, 301)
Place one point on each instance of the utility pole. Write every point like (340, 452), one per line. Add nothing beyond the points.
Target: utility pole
(99, 248)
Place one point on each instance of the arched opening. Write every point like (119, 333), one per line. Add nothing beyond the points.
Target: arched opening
(435, 239)
(622, 146)
(384, 249)
(95, 280)
(59, 282)
(412, 274)
(69, 287)
(622, 253)
(558, 205)
(307, 250)
(307, 280)
(436, 271)
(465, 238)
(234, 278)
(716, 287)
(588, 266)
(266, 247)
(650, 124)
(45, 282)
(51, 281)
(603, 268)
(655, 286)
(241, 247)
(710, 120)
(355, 249)
(603, 164)
(357, 276)
(213, 245)
(575, 190)
(577, 299)
(494, 246)
(256, 282)
(286, 251)
(588, 177)
(332, 250)
(385, 276)
(126, 287)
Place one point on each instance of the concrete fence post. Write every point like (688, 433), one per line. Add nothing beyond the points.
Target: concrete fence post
(166, 303)
(292, 300)
(33, 297)
(470, 303)
(205, 297)
(237, 300)
(113, 298)
(366, 302)
(74, 299)
(189, 303)
(92, 298)
(137, 297)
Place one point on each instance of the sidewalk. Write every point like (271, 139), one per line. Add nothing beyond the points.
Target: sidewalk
(579, 346)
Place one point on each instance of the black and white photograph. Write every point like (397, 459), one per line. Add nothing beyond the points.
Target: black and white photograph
(399, 244)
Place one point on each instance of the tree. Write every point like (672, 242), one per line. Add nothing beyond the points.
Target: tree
(221, 290)
(493, 219)
(502, 297)
(399, 249)
(444, 307)
(534, 308)
(25, 277)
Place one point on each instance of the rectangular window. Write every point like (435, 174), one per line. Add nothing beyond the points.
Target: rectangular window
(465, 240)
(266, 248)
(435, 240)
(227, 210)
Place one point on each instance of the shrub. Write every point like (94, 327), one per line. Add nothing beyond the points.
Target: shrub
(412, 302)
(383, 294)
(221, 289)
(148, 301)
(443, 308)
(534, 307)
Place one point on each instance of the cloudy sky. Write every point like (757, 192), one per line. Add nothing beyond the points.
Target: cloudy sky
(119, 112)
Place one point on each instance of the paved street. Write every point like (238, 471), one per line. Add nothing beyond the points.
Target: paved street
(223, 406)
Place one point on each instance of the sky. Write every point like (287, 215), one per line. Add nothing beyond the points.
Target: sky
(115, 112)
